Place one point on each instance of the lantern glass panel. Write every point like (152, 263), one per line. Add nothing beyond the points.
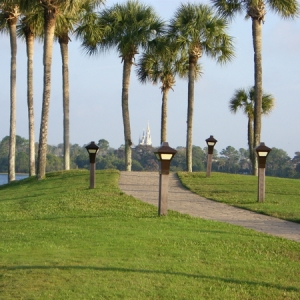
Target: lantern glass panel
(92, 150)
(166, 156)
(263, 153)
(210, 143)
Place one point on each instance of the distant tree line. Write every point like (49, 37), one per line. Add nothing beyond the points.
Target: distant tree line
(229, 160)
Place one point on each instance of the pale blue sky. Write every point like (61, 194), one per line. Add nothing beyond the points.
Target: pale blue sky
(95, 92)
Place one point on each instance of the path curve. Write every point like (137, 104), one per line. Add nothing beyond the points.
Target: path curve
(144, 186)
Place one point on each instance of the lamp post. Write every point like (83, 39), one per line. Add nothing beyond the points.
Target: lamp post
(92, 149)
(262, 152)
(210, 144)
(164, 154)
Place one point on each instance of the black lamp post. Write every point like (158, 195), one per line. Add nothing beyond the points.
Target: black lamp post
(210, 144)
(92, 149)
(262, 152)
(164, 154)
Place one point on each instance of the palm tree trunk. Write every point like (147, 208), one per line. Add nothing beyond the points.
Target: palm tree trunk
(13, 98)
(190, 113)
(125, 111)
(164, 116)
(30, 50)
(257, 45)
(49, 19)
(251, 142)
(63, 41)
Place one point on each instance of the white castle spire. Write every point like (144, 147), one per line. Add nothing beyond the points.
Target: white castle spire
(146, 138)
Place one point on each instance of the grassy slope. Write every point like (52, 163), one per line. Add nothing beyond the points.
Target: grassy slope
(61, 240)
(282, 195)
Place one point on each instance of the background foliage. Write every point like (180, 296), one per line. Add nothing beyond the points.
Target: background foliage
(228, 160)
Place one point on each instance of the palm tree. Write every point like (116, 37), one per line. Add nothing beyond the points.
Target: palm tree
(199, 31)
(160, 64)
(30, 26)
(125, 27)
(63, 39)
(256, 10)
(9, 15)
(244, 99)
(64, 27)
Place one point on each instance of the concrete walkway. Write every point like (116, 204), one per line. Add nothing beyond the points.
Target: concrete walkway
(144, 186)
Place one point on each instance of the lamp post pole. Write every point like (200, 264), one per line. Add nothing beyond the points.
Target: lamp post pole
(262, 152)
(210, 144)
(164, 154)
(163, 194)
(261, 184)
(92, 149)
(92, 175)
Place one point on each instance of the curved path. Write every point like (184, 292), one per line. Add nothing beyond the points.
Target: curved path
(144, 186)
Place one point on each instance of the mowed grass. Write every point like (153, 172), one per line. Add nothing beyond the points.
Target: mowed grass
(282, 195)
(61, 240)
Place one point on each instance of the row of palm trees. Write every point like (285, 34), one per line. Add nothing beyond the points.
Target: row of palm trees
(46, 19)
(169, 50)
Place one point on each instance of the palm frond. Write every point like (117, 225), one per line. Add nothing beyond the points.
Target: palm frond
(285, 8)
(244, 99)
(239, 100)
(198, 29)
(228, 8)
(129, 26)
(162, 61)
(31, 23)
(3, 24)
(268, 104)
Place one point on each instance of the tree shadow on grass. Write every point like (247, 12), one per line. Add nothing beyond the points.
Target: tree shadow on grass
(158, 272)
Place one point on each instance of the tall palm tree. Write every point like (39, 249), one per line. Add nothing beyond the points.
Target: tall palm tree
(244, 99)
(63, 39)
(9, 15)
(125, 27)
(29, 28)
(199, 31)
(256, 10)
(160, 64)
(64, 27)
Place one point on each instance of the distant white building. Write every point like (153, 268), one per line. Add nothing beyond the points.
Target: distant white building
(145, 140)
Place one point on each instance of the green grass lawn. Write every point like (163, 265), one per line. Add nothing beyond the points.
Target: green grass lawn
(61, 240)
(282, 199)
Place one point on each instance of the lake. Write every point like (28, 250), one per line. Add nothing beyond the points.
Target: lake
(3, 177)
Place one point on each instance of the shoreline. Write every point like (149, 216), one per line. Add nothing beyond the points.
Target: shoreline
(16, 174)
(19, 176)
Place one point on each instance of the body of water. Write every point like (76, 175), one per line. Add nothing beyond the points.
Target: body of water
(4, 177)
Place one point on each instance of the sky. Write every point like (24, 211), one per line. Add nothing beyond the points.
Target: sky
(96, 85)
